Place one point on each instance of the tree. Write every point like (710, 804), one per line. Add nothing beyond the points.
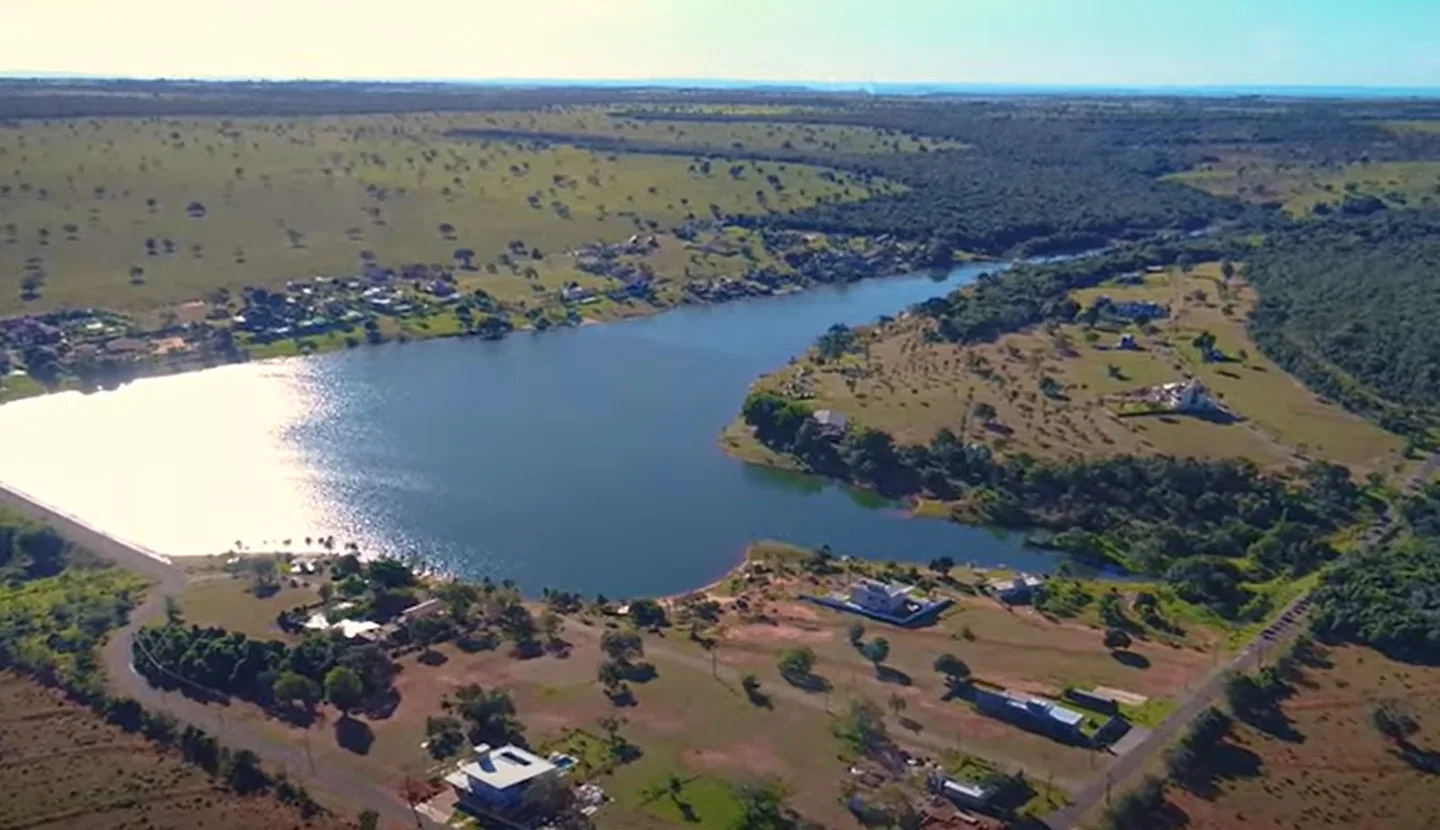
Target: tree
(466, 258)
(862, 726)
(954, 669)
(647, 613)
(369, 820)
(761, 809)
(242, 772)
(326, 592)
(293, 688)
(856, 633)
(985, 412)
(1393, 719)
(491, 715)
(1116, 639)
(942, 565)
(548, 796)
(622, 646)
(897, 703)
(797, 663)
(445, 736)
(344, 689)
(876, 651)
(389, 573)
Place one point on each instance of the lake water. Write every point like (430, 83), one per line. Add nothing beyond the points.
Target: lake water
(583, 459)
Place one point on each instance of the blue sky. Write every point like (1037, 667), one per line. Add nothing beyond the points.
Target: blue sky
(1083, 42)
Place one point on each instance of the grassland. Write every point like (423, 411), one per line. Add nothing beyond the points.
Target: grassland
(62, 766)
(144, 214)
(1300, 187)
(694, 720)
(911, 387)
(1337, 770)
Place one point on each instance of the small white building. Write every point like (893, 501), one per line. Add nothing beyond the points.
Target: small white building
(497, 777)
(1015, 589)
(966, 793)
(831, 423)
(429, 608)
(879, 597)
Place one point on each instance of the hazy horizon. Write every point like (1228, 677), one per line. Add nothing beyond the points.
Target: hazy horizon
(1045, 43)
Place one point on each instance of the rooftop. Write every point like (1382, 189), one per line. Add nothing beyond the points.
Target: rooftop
(500, 769)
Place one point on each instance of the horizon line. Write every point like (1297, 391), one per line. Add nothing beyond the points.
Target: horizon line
(728, 83)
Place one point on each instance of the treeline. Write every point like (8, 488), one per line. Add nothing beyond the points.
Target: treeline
(269, 673)
(1027, 295)
(1349, 306)
(1185, 520)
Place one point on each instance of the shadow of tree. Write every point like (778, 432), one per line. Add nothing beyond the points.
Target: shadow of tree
(1273, 721)
(1423, 760)
(890, 674)
(810, 682)
(382, 705)
(354, 735)
(1226, 762)
(759, 698)
(1131, 659)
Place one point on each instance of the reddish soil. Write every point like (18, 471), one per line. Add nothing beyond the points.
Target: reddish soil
(64, 768)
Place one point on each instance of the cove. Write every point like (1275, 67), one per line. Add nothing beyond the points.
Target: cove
(583, 459)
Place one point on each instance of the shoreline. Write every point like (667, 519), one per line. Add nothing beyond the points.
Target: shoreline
(335, 340)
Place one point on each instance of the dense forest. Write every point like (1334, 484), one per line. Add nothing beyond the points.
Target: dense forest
(1185, 520)
(218, 661)
(1389, 596)
(1349, 306)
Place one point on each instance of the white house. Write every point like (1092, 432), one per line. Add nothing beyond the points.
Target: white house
(879, 597)
(497, 777)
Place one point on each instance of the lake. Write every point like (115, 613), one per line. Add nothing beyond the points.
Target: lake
(583, 459)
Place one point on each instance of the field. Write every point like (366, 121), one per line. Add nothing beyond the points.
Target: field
(144, 214)
(64, 767)
(1337, 770)
(912, 388)
(1301, 187)
(694, 720)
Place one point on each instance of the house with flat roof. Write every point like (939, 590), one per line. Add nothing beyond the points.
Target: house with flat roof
(831, 423)
(1036, 714)
(497, 777)
(873, 595)
(967, 793)
(429, 608)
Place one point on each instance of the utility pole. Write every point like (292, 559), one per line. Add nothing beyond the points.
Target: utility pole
(1108, 782)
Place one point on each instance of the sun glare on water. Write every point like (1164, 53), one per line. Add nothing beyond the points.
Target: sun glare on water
(183, 465)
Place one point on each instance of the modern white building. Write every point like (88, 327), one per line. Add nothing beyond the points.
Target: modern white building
(497, 777)
(879, 597)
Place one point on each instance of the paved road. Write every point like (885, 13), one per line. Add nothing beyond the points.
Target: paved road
(170, 580)
(1126, 766)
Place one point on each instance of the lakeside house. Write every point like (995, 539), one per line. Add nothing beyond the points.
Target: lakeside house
(497, 778)
(891, 603)
(879, 597)
(832, 424)
(1016, 589)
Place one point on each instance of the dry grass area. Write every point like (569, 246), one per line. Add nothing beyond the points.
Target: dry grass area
(1300, 186)
(201, 204)
(64, 768)
(694, 718)
(913, 388)
(1339, 772)
(227, 602)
